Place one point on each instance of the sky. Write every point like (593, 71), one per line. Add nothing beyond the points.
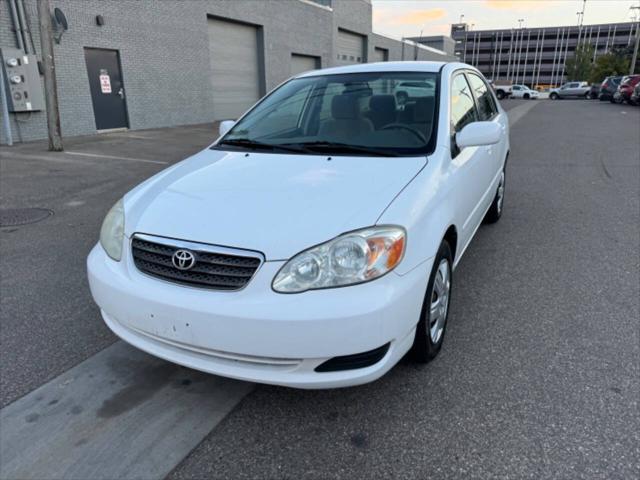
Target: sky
(406, 18)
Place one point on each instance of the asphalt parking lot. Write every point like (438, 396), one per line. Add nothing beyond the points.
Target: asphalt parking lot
(539, 376)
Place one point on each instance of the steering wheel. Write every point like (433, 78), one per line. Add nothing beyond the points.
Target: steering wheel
(402, 126)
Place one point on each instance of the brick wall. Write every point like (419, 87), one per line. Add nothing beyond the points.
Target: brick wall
(164, 53)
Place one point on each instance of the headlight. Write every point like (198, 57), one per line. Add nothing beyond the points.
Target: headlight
(112, 231)
(351, 258)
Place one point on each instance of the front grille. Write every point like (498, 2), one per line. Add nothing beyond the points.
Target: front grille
(212, 269)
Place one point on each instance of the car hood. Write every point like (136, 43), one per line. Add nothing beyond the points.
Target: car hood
(278, 204)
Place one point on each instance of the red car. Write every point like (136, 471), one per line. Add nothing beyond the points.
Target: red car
(625, 90)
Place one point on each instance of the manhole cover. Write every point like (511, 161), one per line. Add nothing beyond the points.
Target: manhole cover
(11, 217)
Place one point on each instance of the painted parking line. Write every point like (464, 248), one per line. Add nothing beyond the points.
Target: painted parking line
(61, 157)
(119, 414)
(516, 113)
(114, 157)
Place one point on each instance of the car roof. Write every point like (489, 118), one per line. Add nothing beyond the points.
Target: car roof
(414, 66)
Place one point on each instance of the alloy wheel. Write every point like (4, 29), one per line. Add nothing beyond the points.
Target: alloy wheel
(439, 301)
(500, 199)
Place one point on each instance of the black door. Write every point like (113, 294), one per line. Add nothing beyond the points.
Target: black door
(107, 89)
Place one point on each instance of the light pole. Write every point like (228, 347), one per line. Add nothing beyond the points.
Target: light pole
(50, 86)
(632, 67)
(520, 22)
(461, 17)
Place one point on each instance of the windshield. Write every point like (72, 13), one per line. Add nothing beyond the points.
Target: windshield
(382, 113)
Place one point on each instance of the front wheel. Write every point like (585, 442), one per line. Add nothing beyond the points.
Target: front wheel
(435, 308)
(526, 96)
(495, 210)
(500, 94)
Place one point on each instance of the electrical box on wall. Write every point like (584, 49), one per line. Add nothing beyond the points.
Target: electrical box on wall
(22, 79)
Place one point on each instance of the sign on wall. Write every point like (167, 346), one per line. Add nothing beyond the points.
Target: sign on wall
(105, 82)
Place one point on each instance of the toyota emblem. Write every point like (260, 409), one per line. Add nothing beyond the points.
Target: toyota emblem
(183, 259)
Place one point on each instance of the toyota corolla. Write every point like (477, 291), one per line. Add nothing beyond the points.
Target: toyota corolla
(313, 244)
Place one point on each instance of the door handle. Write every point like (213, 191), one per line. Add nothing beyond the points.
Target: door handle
(121, 92)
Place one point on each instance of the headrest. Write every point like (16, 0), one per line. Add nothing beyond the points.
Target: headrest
(383, 103)
(344, 106)
(359, 89)
(423, 111)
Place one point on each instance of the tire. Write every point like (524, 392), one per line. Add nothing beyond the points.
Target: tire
(430, 331)
(500, 94)
(526, 96)
(497, 206)
(554, 96)
(587, 96)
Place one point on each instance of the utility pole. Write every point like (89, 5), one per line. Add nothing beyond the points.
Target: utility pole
(632, 68)
(50, 83)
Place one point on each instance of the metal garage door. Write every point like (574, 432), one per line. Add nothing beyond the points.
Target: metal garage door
(350, 48)
(380, 55)
(235, 68)
(303, 63)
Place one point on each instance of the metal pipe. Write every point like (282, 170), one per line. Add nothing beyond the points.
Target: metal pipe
(5, 110)
(16, 24)
(23, 26)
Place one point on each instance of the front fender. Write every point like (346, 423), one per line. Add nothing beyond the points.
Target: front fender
(422, 209)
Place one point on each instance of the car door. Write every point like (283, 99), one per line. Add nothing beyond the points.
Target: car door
(517, 91)
(467, 164)
(494, 155)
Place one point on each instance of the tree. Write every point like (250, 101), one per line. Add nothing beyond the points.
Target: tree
(613, 63)
(579, 67)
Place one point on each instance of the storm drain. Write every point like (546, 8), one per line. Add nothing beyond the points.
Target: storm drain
(12, 217)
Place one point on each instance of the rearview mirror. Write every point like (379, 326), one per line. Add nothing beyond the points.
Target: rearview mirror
(479, 133)
(225, 126)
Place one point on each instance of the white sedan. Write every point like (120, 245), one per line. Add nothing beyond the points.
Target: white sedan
(313, 244)
(522, 91)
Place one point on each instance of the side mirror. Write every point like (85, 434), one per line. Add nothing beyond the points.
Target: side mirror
(479, 133)
(225, 126)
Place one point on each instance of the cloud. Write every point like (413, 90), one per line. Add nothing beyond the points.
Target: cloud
(417, 17)
(519, 4)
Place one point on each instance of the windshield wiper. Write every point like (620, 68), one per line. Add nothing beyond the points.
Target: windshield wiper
(333, 147)
(255, 145)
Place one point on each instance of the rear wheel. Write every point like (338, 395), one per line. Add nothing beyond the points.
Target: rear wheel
(435, 308)
(554, 96)
(500, 94)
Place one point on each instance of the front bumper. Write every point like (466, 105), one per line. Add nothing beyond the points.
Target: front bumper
(256, 334)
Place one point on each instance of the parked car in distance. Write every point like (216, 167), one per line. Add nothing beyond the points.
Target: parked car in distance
(314, 243)
(502, 88)
(408, 90)
(625, 89)
(522, 91)
(608, 88)
(570, 90)
(594, 91)
(635, 96)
